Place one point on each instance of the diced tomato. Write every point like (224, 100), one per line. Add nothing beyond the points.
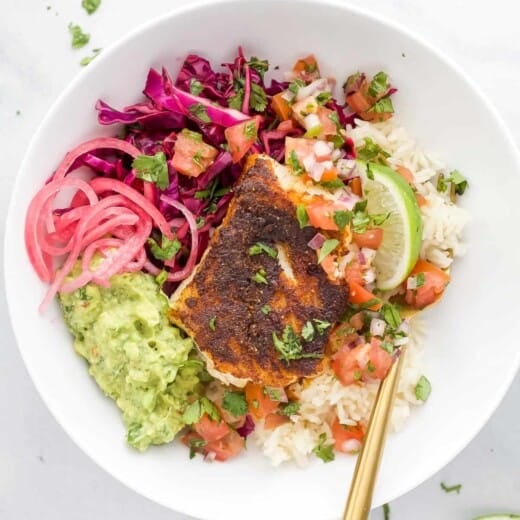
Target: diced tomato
(359, 295)
(273, 420)
(301, 109)
(192, 155)
(435, 281)
(355, 186)
(328, 127)
(226, 447)
(321, 215)
(421, 201)
(354, 273)
(366, 361)
(258, 402)
(342, 335)
(380, 361)
(329, 266)
(405, 173)
(371, 238)
(329, 175)
(287, 126)
(300, 146)
(358, 320)
(307, 68)
(347, 439)
(211, 430)
(361, 103)
(281, 107)
(241, 137)
(358, 102)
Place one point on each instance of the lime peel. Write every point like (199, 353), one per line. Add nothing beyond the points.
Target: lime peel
(387, 192)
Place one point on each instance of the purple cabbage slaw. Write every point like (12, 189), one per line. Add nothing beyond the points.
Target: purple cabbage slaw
(231, 96)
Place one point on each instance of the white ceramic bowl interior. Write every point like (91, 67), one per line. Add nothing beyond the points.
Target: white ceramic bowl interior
(471, 349)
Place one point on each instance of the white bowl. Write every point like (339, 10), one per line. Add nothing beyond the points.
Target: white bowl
(472, 349)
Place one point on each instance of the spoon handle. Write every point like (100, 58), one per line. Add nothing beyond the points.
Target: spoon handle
(365, 474)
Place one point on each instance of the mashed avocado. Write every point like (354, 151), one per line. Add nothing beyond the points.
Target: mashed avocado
(135, 355)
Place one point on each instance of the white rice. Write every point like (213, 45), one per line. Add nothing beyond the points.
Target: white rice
(325, 397)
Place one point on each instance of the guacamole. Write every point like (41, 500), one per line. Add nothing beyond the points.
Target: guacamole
(135, 355)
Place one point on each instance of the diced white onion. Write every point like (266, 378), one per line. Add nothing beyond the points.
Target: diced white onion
(369, 275)
(311, 121)
(316, 87)
(411, 283)
(377, 327)
(352, 446)
(327, 164)
(401, 341)
(346, 167)
(308, 162)
(369, 254)
(345, 260)
(322, 149)
(317, 171)
(210, 456)
(337, 155)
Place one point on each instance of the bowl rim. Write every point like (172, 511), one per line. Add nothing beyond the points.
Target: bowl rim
(195, 5)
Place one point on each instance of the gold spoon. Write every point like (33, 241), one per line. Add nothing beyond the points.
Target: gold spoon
(365, 474)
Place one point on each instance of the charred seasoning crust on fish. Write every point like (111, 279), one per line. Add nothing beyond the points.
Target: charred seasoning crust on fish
(223, 307)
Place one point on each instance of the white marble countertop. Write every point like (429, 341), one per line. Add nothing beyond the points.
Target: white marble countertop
(43, 475)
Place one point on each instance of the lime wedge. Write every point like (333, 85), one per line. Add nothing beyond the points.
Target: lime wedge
(387, 193)
(496, 517)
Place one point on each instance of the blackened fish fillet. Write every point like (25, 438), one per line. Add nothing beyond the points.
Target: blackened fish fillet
(223, 295)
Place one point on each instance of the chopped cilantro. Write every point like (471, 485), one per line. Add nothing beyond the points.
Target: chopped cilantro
(88, 59)
(258, 98)
(196, 444)
(379, 85)
(459, 181)
(295, 164)
(419, 280)
(196, 87)
(342, 218)
(250, 130)
(235, 403)
(274, 394)
(167, 250)
(200, 222)
(212, 323)
(296, 85)
(321, 326)
(391, 315)
(162, 277)
(290, 347)
(357, 375)
(335, 119)
(198, 158)
(301, 215)
(370, 366)
(360, 220)
(442, 184)
(192, 413)
(79, 38)
(290, 409)
(260, 248)
(450, 489)
(328, 246)
(265, 309)
(386, 512)
(423, 389)
(333, 185)
(323, 98)
(371, 151)
(90, 6)
(324, 451)
(152, 168)
(261, 66)
(383, 106)
(259, 277)
(388, 347)
(199, 111)
(308, 331)
(255, 403)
